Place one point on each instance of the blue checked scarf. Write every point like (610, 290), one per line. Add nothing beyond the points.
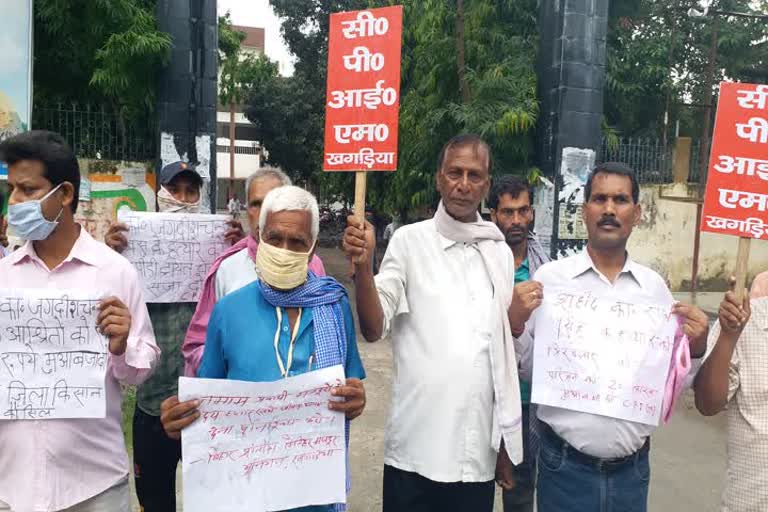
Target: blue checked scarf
(323, 295)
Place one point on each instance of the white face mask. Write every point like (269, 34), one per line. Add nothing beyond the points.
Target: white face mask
(280, 268)
(169, 204)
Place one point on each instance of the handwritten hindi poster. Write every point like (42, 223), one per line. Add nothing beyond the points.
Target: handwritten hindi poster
(53, 361)
(173, 251)
(736, 201)
(602, 355)
(363, 95)
(264, 446)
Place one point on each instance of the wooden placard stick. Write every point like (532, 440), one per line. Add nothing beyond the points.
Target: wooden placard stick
(360, 182)
(742, 260)
(360, 186)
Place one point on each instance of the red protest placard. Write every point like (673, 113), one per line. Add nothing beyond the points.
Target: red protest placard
(736, 201)
(363, 97)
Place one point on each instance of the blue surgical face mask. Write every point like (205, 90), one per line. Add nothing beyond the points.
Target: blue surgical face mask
(27, 220)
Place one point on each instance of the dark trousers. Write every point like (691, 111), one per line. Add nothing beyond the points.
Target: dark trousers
(520, 499)
(572, 481)
(411, 492)
(155, 457)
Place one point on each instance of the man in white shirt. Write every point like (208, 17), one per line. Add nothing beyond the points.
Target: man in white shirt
(588, 462)
(442, 295)
(734, 378)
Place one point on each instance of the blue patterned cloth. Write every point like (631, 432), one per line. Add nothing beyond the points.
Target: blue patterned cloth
(324, 295)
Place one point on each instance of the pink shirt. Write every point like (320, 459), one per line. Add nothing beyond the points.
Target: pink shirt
(51, 465)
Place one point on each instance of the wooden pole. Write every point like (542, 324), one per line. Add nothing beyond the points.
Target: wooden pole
(360, 182)
(742, 259)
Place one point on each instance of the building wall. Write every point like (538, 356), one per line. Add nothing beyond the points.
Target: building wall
(664, 241)
(245, 164)
(108, 186)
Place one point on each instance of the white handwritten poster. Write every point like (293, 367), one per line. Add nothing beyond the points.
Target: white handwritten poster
(53, 361)
(173, 252)
(264, 446)
(602, 355)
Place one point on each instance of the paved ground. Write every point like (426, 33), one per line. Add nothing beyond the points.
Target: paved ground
(688, 455)
(708, 301)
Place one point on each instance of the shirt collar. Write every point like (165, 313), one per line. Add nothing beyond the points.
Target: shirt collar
(83, 250)
(583, 263)
(445, 243)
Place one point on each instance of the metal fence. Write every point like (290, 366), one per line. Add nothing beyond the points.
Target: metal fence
(650, 158)
(95, 132)
(693, 176)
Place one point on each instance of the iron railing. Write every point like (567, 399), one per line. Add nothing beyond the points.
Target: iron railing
(650, 158)
(96, 132)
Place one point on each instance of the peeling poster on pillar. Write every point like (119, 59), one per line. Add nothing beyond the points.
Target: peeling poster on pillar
(576, 164)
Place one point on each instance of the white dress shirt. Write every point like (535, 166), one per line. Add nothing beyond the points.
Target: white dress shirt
(599, 436)
(438, 310)
(239, 270)
(235, 272)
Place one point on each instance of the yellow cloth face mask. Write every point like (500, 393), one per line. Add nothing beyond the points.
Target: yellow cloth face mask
(280, 268)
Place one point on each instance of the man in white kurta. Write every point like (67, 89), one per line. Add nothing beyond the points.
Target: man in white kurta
(441, 296)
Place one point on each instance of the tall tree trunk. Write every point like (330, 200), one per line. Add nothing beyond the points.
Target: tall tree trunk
(461, 65)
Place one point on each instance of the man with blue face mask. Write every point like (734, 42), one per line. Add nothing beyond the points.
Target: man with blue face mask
(287, 323)
(155, 456)
(77, 465)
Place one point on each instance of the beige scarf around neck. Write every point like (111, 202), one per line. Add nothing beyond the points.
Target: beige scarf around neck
(506, 387)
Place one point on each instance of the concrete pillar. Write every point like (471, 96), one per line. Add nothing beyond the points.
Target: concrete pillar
(188, 88)
(571, 80)
(681, 160)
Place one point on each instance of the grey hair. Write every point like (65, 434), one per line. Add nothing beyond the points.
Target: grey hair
(290, 198)
(267, 172)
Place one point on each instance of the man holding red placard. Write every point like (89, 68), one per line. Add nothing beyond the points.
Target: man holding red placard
(442, 295)
(734, 374)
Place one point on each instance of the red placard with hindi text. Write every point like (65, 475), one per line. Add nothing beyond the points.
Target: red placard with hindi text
(363, 96)
(736, 201)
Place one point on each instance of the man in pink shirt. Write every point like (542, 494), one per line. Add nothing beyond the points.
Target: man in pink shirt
(72, 465)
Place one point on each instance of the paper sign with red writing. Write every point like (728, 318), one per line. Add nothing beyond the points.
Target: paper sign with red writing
(363, 97)
(602, 354)
(264, 446)
(736, 201)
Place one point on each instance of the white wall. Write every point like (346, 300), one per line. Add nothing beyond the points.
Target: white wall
(664, 241)
(244, 164)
